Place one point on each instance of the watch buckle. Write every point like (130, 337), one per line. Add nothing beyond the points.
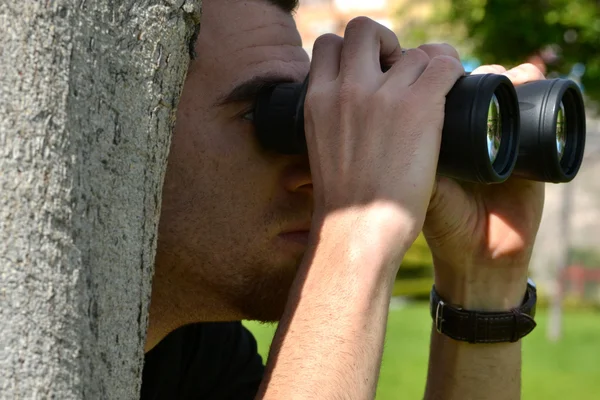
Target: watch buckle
(438, 316)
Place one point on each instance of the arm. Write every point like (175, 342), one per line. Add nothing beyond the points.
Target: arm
(460, 370)
(481, 238)
(330, 340)
(371, 190)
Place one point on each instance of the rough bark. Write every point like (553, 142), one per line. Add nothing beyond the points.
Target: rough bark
(88, 91)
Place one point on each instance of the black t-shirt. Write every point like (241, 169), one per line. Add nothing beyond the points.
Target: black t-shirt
(216, 360)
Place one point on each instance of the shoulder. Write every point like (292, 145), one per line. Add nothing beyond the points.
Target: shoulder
(204, 360)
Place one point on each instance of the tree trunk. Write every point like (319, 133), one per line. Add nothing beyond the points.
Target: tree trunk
(88, 92)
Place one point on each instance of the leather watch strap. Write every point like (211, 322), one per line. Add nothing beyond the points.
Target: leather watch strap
(484, 326)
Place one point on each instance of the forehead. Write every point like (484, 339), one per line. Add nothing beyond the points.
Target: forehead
(242, 39)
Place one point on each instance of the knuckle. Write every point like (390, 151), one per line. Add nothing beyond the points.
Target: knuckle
(419, 56)
(359, 24)
(327, 40)
(352, 92)
(496, 68)
(531, 69)
(411, 101)
(446, 64)
(409, 104)
(483, 70)
(382, 98)
(434, 49)
(528, 67)
(441, 70)
(524, 73)
(450, 50)
(489, 69)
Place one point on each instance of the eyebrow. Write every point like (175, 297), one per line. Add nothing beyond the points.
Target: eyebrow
(247, 91)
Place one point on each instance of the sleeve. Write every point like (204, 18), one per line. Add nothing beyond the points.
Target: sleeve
(208, 361)
(225, 361)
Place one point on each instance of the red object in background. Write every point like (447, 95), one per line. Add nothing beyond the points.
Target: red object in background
(574, 279)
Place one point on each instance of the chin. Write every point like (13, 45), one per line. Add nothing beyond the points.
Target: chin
(264, 315)
(264, 298)
(268, 306)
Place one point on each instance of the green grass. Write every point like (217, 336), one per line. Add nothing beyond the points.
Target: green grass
(569, 369)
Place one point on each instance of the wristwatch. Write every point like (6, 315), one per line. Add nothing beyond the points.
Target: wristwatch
(484, 326)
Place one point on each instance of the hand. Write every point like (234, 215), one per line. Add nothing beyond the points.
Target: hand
(482, 236)
(373, 136)
(373, 142)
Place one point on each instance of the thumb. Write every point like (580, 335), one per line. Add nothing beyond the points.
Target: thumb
(448, 210)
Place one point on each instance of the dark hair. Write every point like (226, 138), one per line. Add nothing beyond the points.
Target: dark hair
(288, 6)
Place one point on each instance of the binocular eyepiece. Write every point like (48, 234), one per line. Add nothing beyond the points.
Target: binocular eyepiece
(492, 129)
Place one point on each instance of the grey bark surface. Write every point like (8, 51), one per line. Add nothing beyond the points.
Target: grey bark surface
(88, 92)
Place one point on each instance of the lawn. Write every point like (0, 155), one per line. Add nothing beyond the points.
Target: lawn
(569, 369)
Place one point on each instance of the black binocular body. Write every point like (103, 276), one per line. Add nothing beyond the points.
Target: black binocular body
(492, 129)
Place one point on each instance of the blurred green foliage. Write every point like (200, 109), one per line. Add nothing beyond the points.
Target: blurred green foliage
(509, 32)
(418, 256)
(567, 370)
(415, 275)
(585, 256)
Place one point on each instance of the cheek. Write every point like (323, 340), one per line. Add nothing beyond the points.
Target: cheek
(221, 179)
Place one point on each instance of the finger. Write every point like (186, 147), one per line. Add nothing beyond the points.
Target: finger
(439, 49)
(414, 61)
(325, 65)
(524, 73)
(489, 69)
(441, 74)
(407, 70)
(367, 46)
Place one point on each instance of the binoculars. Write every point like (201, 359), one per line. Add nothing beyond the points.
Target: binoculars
(492, 129)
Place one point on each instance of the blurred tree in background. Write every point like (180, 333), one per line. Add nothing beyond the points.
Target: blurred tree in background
(562, 34)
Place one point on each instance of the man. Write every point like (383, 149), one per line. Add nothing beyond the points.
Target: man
(315, 242)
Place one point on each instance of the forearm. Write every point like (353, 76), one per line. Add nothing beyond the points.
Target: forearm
(460, 370)
(329, 342)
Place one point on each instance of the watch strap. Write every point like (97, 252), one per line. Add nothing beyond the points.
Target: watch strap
(484, 326)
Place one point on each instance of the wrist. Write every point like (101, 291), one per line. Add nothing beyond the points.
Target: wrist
(483, 288)
(377, 234)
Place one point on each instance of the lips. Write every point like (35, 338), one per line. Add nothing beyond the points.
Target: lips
(300, 225)
(303, 228)
(297, 232)
(300, 236)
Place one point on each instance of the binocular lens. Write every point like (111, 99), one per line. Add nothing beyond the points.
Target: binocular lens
(561, 135)
(494, 129)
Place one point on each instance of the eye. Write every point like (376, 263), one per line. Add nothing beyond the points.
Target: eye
(248, 116)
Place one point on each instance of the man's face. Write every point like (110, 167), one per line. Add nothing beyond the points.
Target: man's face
(226, 201)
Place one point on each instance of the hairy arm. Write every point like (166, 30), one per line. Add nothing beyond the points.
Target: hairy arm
(481, 238)
(329, 343)
(460, 370)
(371, 190)
(463, 371)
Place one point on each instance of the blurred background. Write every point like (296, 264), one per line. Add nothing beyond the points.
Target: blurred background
(561, 358)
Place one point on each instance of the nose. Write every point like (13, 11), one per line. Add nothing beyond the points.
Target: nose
(297, 178)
